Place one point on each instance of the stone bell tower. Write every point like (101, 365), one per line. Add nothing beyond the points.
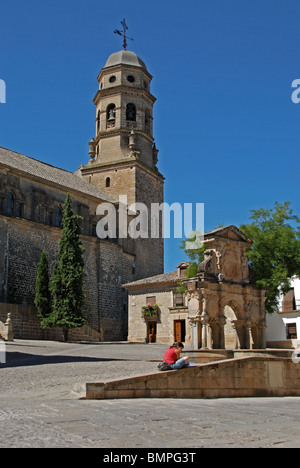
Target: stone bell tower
(123, 155)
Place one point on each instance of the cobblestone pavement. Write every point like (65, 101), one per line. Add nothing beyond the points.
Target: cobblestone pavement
(38, 408)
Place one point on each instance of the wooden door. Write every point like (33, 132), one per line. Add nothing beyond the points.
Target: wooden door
(151, 332)
(179, 330)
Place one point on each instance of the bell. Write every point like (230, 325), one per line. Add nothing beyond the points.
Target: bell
(111, 115)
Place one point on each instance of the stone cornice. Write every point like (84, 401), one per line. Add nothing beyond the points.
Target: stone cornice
(102, 167)
(122, 89)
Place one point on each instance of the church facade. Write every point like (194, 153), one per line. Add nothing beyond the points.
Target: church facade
(123, 159)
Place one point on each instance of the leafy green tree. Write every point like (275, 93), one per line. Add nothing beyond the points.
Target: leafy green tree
(195, 255)
(67, 282)
(42, 292)
(275, 254)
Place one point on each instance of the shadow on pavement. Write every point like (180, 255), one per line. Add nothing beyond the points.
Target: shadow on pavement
(16, 359)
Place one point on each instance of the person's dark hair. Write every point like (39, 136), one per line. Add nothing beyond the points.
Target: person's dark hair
(177, 344)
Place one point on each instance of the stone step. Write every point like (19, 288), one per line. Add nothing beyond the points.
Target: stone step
(250, 376)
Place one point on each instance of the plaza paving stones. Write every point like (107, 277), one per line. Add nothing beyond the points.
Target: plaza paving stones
(38, 408)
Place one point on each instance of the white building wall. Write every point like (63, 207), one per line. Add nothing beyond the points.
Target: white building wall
(276, 323)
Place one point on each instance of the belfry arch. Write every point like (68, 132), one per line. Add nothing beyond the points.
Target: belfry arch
(226, 310)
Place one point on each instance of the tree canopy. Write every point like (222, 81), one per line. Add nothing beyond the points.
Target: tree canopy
(274, 257)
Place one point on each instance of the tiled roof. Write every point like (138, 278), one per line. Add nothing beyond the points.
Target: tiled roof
(171, 277)
(46, 172)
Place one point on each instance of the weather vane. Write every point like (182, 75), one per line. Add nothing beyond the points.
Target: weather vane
(123, 34)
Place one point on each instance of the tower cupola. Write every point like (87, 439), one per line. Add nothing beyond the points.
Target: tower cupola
(124, 103)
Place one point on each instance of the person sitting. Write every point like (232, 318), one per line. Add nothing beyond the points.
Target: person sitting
(172, 356)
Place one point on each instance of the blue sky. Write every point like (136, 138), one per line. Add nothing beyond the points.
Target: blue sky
(224, 122)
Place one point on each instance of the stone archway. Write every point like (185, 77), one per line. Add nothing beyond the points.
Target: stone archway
(231, 340)
(230, 309)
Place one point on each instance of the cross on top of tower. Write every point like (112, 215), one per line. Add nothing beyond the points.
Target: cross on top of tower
(123, 34)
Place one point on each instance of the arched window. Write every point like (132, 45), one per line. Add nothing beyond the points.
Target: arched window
(98, 121)
(49, 217)
(19, 209)
(147, 120)
(131, 112)
(10, 203)
(107, 182)
(111, 113)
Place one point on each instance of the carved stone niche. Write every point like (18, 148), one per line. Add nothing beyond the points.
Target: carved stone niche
(225, 257)
(194, 307)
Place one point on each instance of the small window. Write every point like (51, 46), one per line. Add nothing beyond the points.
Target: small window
(112, 79)
(178, 300)
(131, 79)
(289, 302)
(151, 300)
(107, 182)
(291, 331)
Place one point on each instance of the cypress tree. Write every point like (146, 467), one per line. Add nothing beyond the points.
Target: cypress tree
(67, 281)
(42, 293)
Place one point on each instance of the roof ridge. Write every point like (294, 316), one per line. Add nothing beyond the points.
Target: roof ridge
(35, 159)
(52, 174)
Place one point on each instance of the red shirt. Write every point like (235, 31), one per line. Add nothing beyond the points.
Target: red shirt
(170, 356)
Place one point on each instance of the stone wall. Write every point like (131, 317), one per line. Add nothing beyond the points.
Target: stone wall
(245, 377)
(114, 266)
(150, 251)
(106, 268)
(26, 325)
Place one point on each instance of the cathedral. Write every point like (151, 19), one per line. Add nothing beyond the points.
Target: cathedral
(122, 163)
